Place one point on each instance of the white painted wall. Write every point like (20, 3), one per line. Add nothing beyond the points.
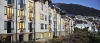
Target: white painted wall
(2, 16)
(38, 22)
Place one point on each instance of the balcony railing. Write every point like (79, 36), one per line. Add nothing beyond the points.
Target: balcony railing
(30, 16)
(21, 15)
(10, 13)
(31, 6)
(21, 26)
(31, 9)
(49, 27)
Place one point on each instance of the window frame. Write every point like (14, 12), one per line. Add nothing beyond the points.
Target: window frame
(12, 25)
(42, 26)
(45, 26)
(22, 3)
(28, 26)
(21, 13)
(45, 17)
(42, 6)
(5, 25)
(30, 15)
(30, 4)
(41, 16)
(21, 23)
(5, 10)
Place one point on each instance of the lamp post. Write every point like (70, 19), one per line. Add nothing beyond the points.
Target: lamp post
(60, 25)
(34, 24)
(16, 21)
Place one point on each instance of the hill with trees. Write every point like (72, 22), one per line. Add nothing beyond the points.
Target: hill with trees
(78, 9)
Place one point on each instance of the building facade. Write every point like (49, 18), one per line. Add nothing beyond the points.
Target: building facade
(33, 19)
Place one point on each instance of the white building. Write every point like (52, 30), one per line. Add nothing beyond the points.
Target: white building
(32, 16)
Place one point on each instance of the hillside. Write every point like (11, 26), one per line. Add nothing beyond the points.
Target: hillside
(77, 9)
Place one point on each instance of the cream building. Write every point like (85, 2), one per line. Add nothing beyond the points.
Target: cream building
(32, 16)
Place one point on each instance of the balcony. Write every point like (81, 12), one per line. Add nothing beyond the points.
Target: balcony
(21, 15)
(10, 13)
(10, 3)
(31, 6)
(21, 26)
(30, 16)
(49, 26)
(31, 9)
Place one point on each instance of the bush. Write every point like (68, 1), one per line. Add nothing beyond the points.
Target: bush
(57, 40)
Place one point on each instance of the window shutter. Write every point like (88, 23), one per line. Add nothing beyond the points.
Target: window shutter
(32, 26)
(28, 26)
(5, 10)
(12, 25)
(5, 25)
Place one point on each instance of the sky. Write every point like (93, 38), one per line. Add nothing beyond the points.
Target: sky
(89, 3)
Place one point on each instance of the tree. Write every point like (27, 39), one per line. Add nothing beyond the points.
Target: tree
(83, 36)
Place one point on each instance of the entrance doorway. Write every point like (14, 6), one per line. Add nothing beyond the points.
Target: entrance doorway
(30, 27)
(30, 36)
(8, 26)
(21, 37)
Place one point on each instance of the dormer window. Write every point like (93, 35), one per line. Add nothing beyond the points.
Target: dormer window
(42, 1)
(10, 1)
(22, 3)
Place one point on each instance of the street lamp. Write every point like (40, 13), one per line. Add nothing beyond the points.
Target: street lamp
(34, 24)
(60, 25)
(16, 21)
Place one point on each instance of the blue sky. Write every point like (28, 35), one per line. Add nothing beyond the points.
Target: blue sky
(90, 3)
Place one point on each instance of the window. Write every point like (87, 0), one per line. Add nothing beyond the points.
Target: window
(41, 16)
(41, 6)
(5, 10)
(45, 26)
(54, 12)
(49, 27)
(22, 3)
(42, 26)
(21, 26)
(58, 26)
(45, 17)
(45, 9)
(46, 2)
(30, 4)
(32, 26)
(28, 25)
(5, 25)
(12, 25)
(21, 14)
(30, 36)
(49, 34)
(9, 11)
(30, 15)
(10, 1)
(13, 11)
